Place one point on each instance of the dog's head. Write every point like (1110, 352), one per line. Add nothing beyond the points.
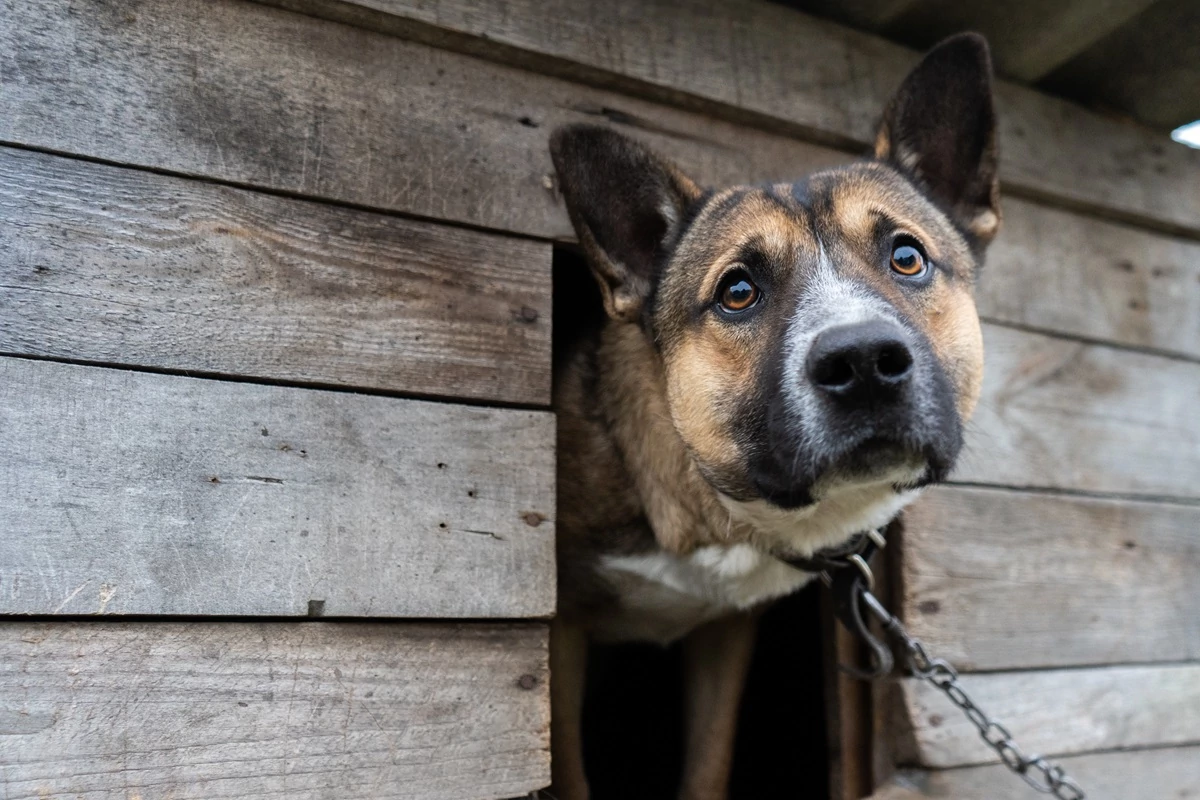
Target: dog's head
(815, 335)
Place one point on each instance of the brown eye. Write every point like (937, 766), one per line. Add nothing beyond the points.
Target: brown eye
(737, 293)
(907, 260)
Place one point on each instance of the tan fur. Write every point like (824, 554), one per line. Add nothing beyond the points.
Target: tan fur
(708, 372)
(946, 311)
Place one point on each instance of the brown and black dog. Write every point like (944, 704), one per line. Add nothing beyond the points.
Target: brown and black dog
(781, 367)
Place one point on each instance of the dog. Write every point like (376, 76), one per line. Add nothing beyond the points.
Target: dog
(779, 367)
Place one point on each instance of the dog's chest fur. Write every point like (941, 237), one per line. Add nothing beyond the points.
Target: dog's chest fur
(662, 595)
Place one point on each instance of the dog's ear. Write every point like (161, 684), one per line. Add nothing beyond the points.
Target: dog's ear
(940, 128)
(627, 206)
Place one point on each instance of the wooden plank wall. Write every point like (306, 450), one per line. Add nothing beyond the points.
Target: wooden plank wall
(275, 710)
(299, 201)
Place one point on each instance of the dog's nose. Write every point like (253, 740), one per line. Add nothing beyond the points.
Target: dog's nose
(861, 362)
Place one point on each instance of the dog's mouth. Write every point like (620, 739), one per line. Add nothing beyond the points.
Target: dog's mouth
(907, 464)
(904, 464)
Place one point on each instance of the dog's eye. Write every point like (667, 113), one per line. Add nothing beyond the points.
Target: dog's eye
(737, 292)
(907, 258)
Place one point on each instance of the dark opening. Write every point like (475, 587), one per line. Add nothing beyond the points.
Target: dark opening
(633, 730)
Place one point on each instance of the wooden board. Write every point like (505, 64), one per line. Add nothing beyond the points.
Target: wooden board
(1028, 38)
(848, 711)
(1167, 774)
(254, 95)
(1063, 414)
(1010, 580)
(128, 267)
(180, 271)
(1058, 271)
(286, 711)
(1137, 70)
(404, 127)
(133, 493)
(774, 66)
(1054, 712)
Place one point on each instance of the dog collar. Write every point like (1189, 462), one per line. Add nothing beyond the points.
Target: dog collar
(855, 552)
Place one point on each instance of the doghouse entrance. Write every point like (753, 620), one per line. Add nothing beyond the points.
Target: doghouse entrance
(632, 717)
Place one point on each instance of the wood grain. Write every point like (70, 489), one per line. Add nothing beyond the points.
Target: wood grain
(819, 79)
(287, 711)
(255, 95)
(133, 493)
(1028, 38)
(994, 579)
(1167, 774)
(849, 709)
(1062, 414)
(1136, 70)
(128, 267)
(1063, 272)
(1054, 712)
(364, 118)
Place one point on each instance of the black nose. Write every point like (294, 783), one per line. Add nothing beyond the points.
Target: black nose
(861, 362)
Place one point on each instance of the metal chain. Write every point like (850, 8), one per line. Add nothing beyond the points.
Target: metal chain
(1042, 775)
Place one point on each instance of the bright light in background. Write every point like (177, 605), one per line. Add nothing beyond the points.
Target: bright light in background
(1188, 134)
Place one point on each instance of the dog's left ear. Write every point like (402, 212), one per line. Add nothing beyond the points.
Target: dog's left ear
(940, 128)
(627, 205)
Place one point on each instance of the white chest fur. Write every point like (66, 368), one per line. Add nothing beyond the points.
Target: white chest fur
(663, 595)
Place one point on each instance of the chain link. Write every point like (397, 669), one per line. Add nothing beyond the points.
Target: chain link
(1042, 775)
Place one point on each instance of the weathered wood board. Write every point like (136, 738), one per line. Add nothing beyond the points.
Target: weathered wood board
(339, 113)
(1028, 38)
(1167, 774)
(1063, 272)
(1141, 70)
(122, 266)
(1063, 414)
(994, 579)
(779, 66)
(1054, 712)
(368, 119)
(280, 711)
(134, 493)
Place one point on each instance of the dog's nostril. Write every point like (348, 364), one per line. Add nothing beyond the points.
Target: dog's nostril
(833, 372)
(865, 361)
(893, 362)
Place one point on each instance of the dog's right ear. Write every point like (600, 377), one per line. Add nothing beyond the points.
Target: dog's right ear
(940, 128)
(627, 206)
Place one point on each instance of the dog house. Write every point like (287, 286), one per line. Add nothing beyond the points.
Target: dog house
(276, 455)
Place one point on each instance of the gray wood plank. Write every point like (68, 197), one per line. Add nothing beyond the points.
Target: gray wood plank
(1028, 37)
(254, 95)
(180, 271)
(867, 15)
(825, 81)
(134, 493)
(994, 579)
(1147, 69)
(1059, 271)
(1054, 712)
(288, 711)
(121, 266)
(465, 140)
(1036, 37)
(1062, 414)
(1166, 774)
